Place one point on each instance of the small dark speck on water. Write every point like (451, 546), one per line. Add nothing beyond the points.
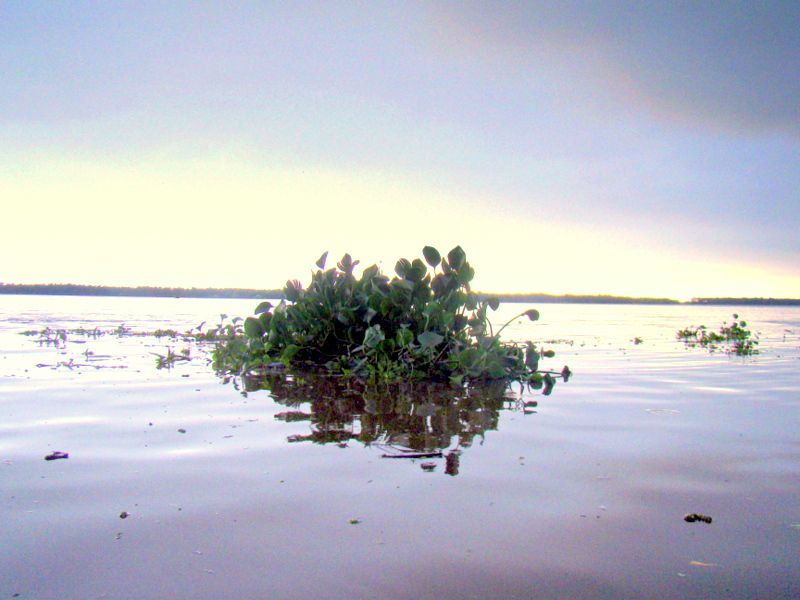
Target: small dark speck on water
(124, 514)
(181, 430)
(56, 455)
(693, 517)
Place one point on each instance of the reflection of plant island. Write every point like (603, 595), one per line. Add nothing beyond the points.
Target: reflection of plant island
(407, 419)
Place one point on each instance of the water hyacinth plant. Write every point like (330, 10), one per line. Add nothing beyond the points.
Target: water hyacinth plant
(423, 323)
(734, 338)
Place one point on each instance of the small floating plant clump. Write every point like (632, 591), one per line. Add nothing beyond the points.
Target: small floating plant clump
(424, 323)
(734, 338)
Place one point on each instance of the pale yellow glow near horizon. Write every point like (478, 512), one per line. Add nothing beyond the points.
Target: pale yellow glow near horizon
(231, 224)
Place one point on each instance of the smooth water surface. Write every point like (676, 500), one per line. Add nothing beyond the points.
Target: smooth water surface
(231, 493)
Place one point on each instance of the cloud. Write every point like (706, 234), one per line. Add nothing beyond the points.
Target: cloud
(733, 66)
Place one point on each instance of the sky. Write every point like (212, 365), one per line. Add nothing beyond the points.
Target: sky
(645, 149)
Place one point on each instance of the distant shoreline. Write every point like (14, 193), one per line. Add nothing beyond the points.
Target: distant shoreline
(276, 294)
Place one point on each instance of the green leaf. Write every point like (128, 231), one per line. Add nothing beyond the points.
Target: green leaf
(417, 271)
(466, 273)
(369, 273)
(293, 290)
(373, 336)
(403, 284)
(549, 382)
(432, 256)
(531, 357)
(289, 353)
(404, 337)
(468, 358)
(402, 267)
(493, 302)
(265, 318)
(429, 339)
(456, 258)
(322, 259)
(532, 314)
(263, 307)
(347, 264)
(253, 328)
(459, 322)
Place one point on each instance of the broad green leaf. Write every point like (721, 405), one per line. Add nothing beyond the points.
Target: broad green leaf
(263, 307)
(322, 259)
(549, 382)
(417, 271)
(403, 284)
(401, 267)
(404, 337)
(432, 256)
(493, 302)
(373, 336)
(289, 353)
(347, 264)
(456, 258)
(293, 290)
(369, 273)
(265, 319)
(532, 314)
(253, 328)
(429, 339)
(466, 273)
(531, 357)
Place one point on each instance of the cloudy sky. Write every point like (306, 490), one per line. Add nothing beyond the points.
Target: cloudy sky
(569, 147)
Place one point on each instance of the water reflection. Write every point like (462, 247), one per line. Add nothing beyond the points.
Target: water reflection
(405, 420)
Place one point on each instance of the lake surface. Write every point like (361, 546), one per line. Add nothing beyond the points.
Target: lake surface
(230, 492)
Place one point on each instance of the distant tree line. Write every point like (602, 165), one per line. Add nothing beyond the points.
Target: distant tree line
(71, 289)
(579, 299)
(748, 301)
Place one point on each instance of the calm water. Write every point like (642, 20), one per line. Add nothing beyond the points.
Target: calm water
(230, 496)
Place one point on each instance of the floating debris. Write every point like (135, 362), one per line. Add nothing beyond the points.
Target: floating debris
(428, 466)
(57, 455)
(124, 514)
(413, 455)
(355, 521)
(694, 517)
(697, 563)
